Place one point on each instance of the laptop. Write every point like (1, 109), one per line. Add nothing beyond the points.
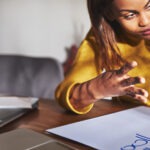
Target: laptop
(8, 114)
(27, 139)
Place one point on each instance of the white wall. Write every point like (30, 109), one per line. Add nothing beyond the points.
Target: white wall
(42, 27)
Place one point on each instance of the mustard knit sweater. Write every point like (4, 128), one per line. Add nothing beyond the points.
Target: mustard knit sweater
(84, 68)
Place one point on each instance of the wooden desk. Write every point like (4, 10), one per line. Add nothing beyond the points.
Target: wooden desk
(49, 114)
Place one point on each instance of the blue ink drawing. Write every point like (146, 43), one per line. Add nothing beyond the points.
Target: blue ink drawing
(140, 142)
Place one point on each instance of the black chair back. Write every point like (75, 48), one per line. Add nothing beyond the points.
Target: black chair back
(29, 76)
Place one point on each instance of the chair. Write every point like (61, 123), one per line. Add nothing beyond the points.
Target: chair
(29, 76)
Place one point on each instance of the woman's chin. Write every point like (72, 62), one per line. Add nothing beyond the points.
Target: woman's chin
(145, 37)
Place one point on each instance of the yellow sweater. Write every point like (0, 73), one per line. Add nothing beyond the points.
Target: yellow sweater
(84, 68)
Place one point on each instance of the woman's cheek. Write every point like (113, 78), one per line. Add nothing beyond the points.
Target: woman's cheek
(129, 26)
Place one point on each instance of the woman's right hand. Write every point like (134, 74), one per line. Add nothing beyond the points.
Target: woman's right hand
(108, 84)
(118, 83)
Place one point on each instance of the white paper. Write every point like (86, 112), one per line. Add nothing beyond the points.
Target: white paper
(125, 130)
(16, 102)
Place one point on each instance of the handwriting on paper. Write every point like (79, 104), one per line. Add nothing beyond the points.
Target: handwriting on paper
(141, 143)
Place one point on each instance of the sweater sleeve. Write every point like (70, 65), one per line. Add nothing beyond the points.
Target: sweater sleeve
(83, 69)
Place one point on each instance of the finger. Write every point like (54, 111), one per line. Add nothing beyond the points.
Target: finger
(133, 91)
(141, 98)
(138, 97)
(126, 68)
(132, 81)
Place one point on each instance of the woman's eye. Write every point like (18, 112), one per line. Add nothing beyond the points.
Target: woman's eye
(129, 16)
(148, 7)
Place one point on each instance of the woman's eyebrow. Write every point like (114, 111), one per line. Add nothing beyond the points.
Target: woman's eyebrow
(127, 10)
(134, 11)
(147, 3)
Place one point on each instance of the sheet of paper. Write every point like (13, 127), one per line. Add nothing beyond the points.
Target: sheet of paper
(16, 102)
(125, 130)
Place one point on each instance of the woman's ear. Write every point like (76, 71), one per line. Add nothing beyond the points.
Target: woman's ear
(110, 17)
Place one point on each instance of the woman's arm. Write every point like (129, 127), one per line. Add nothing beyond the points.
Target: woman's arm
(82, 70)
(108, 84)
(84, 84)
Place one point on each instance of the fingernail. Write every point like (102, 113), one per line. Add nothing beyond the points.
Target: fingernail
(134, 63)
(146, 94)
(143, 80)
(145, 101)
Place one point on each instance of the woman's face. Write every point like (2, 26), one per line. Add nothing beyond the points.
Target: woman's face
(133, 16)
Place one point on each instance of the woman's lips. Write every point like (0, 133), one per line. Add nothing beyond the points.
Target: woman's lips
(146, 32)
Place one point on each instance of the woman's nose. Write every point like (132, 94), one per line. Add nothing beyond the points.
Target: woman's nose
(144, 20)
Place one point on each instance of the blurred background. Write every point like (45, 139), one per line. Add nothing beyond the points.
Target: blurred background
(42, 28)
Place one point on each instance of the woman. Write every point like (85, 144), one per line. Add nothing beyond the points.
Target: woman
(114, 58)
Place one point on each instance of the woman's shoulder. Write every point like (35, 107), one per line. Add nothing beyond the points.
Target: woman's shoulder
(90, 36)
(90, 40)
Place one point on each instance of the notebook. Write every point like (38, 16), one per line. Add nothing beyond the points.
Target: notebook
(26, 139)
(124, 130)
(11, 112)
